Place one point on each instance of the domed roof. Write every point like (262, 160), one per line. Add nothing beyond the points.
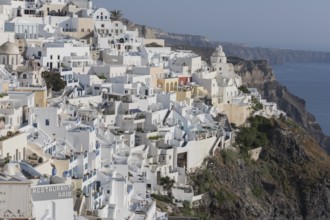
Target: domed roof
(9, 48)
(218, 52)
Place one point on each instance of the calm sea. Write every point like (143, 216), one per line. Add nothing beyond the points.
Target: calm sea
(310, 81)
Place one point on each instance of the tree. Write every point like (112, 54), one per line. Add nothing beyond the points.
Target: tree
(256, 105)
(244, 90)
(153, 44)
(167, 183)
(53, 81)
(116, 15)
(257, 135)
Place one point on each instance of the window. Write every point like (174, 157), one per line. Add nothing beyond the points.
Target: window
(86, 166)
(39, 53)
(66, 25)
(105, 17)
(108, 191)
(47, 122)
(88, 30)
(51, 57)
(97, 17)
(102, 25)
(58, 57)
(82, 30)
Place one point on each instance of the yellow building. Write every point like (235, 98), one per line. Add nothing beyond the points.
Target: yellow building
(168, 84)
(40, 94)
(199, 91)
(188, 92)
(183, 95)
(84, 30)
(156, 73)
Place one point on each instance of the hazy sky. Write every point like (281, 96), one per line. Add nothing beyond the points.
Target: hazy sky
(298, 24)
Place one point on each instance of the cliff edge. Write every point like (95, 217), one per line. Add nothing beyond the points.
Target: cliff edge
(260, 75)
(290, 180)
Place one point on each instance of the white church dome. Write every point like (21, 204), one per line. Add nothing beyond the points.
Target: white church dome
(218, 52)
(9, 48)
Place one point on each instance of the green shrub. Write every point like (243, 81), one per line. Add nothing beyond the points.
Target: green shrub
(167, 183)
(228, 156)
(153, 44)
(223, 195)
(186, 210)
(254, 136)
(53, 81)
(244, 89)
(155, 137)
(102, 77)
(3, 95)
(257, 191)
(162, 198)
(256, 105)
(203, 181)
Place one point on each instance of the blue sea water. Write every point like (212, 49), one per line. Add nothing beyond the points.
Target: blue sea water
(310, 81)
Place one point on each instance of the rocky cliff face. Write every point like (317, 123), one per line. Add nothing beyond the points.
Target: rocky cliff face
(291, 180)
(260, 75)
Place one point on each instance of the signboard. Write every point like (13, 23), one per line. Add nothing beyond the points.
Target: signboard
(51, 192)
